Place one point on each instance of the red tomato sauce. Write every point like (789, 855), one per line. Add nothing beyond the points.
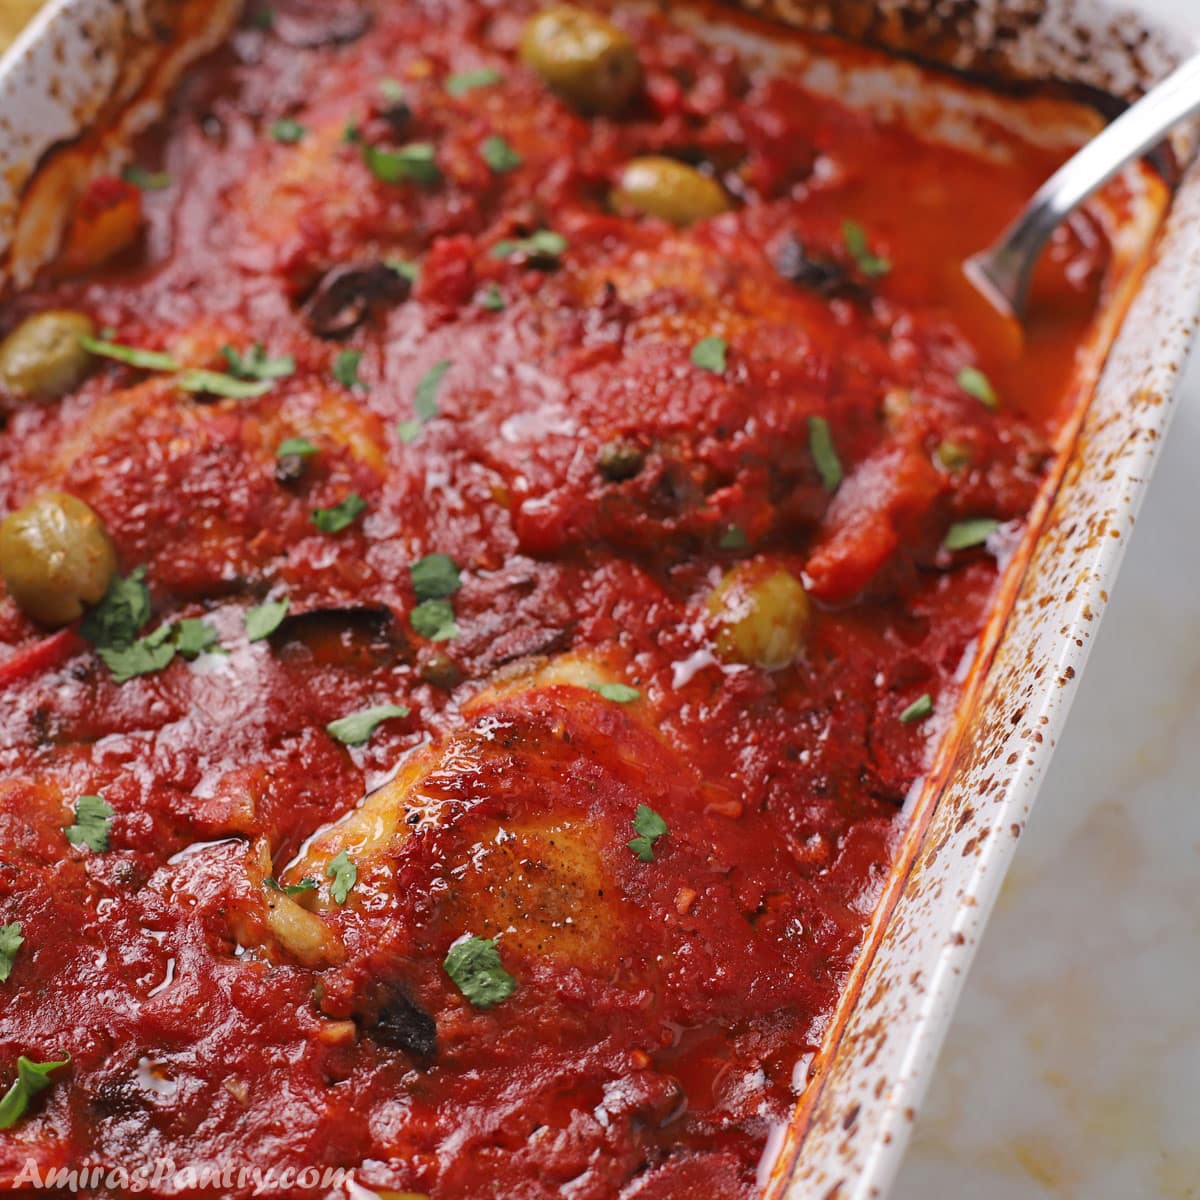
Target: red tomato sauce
(664, 1018)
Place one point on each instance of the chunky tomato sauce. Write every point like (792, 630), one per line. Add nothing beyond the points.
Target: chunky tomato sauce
(592, 474)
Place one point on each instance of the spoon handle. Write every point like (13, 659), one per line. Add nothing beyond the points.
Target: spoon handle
(1008, 264)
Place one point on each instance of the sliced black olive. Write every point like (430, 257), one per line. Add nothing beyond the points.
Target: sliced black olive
(392, 1019)
(824, 276)
(364, 636)
(313, 23)
(619, 459)
(348, 294)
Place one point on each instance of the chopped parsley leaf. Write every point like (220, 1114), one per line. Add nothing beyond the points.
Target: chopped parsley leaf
(93, 820)
(32, 1077)
(709, 354)
(143, 657)
(339, 516)
(918, 710)
(434, 619)
(392, 90)
(344, 875)
(964, 534)
(404, 268)
(734, 538)
(434, 577)
(256, 364)
(217, 383)
(307, 884)
(649, 827)
(287, 130)
(619, 693)
(975, 383)
(869, 263)
(345, 368)
(145, 180)
(414, 163)
(462, 82)
(10, 942)
(147, 360)
(491, 298)
(298, 446)
(474, 965)
(424, 402)
(356, 728)
(193, 637)
(262, 620)
(544, 244)
(824, 453)
(499, 155)
(123, 611)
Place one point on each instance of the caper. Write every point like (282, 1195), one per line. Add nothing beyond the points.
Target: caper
(762, 614)
(668, 189)
(587, 60)
(440, 670)
(618, 460)
(42, 358)
(55, 557)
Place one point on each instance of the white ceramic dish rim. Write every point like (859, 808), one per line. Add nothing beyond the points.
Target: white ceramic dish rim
(851, 1143)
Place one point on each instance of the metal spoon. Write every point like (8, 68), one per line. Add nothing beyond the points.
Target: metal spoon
(1002, 272)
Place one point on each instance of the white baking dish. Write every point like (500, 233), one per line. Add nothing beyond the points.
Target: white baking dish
(89, 73)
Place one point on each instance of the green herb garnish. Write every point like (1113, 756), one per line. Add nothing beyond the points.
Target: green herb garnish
(434, 577)
(917, 710)
(32, 1077)
(297, 447)
(339, 516)
(93, 820)
(709, 354)
(619, 693)
(462, 82)
(10, 942)
(545, 244)
(434, 619)
(217, 383)
(345, 368)
(733, 538)
(499, 155)
(869, 263)
(975, 383)
(287, 130)
(307, 884)
(474, 965)
(255, 363)
(356, 728)
(344, 875)
(147, 360)
(424, 402)
(964, 534)
(649, 827)
(145, 180)
(491, 298)
(193, 637)
(824, 453)
(125, 608)
(262, 620)
(414, 163)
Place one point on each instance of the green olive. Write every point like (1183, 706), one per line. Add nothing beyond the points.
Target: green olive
(587, 60)
(42, 358)
(55, 557)
(761, 613)
(668, 189)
